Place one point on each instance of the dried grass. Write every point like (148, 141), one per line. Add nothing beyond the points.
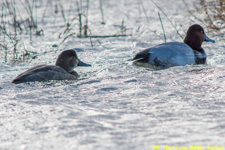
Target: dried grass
(214, 14)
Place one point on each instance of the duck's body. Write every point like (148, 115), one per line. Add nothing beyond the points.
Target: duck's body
(44, 73)
(170, 54)
(62, 70)
(177, 53)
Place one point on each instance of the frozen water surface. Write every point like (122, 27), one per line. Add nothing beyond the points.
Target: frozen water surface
(115, 105)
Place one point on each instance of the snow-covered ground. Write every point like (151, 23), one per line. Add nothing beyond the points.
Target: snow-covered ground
(114, 105)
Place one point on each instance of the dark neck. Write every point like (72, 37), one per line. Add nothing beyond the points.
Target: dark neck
(63, 66)
(200, 56)
(195, 43)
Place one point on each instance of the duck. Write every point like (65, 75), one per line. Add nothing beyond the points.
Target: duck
(62, 70)
(170, 54)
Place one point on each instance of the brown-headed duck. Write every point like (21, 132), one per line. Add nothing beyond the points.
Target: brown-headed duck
(62, 70)
(177, 53)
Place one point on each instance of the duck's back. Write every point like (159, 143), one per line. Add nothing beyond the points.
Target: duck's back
(167, 55)
(44, 73)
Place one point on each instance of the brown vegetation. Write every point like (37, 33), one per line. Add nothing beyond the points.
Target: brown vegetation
(214, 11)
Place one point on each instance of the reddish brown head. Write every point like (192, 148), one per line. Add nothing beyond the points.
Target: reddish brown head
(195, 36)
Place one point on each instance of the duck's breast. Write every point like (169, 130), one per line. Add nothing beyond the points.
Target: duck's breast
(172, 54)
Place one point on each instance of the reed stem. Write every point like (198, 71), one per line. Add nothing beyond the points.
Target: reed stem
(167, 18)
(140, 1)
(162, 27)
(103, 21)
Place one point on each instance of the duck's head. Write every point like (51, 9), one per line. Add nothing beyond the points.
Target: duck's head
(68, 60)
(195, 36)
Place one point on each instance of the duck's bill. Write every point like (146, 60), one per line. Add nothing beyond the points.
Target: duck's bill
(81, 63)
(208, 39)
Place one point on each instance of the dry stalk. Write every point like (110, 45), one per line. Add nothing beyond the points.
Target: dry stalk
(213, 14)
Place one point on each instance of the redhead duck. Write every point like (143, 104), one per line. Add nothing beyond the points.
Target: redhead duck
(177, 53)
(62, 70)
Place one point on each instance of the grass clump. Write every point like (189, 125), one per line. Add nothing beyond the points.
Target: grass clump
(212, 14)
